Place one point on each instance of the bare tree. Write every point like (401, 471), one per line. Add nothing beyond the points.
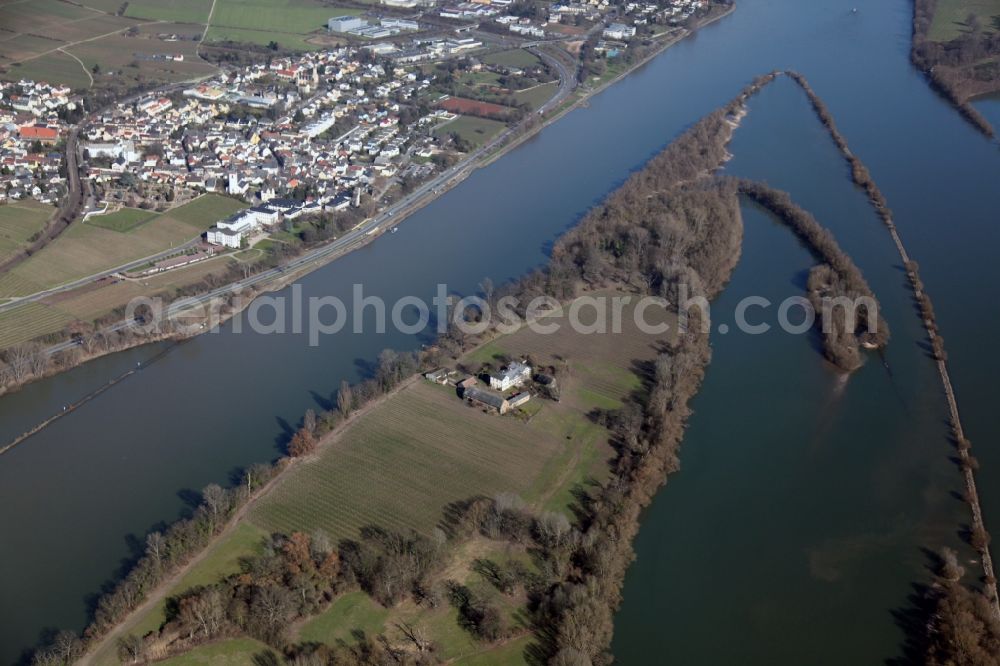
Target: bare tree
(156, 548)
(131, 649)
(66, 648)
(216, 501)
(415, 634)
(19, 361)
(345, 399)
(203, 613)
(486, 286)
(270, 610)
(254, 476)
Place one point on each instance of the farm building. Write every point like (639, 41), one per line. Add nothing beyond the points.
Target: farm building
(439, 376)
(488, 399)
(513, 375)
(467, 382)
(519, 399)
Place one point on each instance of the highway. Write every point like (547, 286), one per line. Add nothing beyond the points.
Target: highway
(567, 80)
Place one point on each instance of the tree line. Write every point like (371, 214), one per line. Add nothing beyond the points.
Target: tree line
(964, 629)
(837, 277)
(296, 576)
(164, 553)
(960, 68)
(167, 550)
(952, 626)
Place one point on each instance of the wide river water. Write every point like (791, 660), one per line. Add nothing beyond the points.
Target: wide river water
(796, 525)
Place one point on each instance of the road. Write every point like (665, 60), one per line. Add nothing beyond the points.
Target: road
(567, 80)
(76, 284)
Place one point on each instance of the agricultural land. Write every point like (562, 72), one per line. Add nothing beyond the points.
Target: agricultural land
(402, 463)
(110, 43)
(19, 222)
(100, 244)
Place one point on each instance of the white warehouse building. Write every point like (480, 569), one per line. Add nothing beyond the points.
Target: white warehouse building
(345, 23)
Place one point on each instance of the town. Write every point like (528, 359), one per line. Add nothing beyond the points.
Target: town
(354, 126)
(278, 158)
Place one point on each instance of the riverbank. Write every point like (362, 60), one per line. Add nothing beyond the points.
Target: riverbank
(541, 454)
(101, 651)
(836, 487)
(733, 110)
(704, 146)
(961, 69)
(377, 226)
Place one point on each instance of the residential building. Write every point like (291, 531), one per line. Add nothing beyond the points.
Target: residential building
(619, 31)
(513, 375)
(42, 133)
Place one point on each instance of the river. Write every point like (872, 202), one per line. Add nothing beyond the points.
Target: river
(796, 524)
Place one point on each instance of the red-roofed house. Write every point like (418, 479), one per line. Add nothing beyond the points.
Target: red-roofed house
(39, 133)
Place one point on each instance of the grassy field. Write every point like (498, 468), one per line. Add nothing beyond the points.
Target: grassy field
(39, 16)
(54, 68)
(179, 11)
(950, 18)
(101, 24)
(107, 6)
(476, 131)
(96, 36)
(32, 320)
(508, 654)
(230, 652)
(401, 464)
(512, 58)
(354, 614)
(122, 57)
(204, 211)
(262, 37)
(23, 46)
(290, 23)
(85, 249)
(91, 304)
(350, 613)
(18, 222)
(537, 95)
(88, 305)
(123, 220)
(294, 16)
(222, 559)
(39, 27)
(34, 32)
